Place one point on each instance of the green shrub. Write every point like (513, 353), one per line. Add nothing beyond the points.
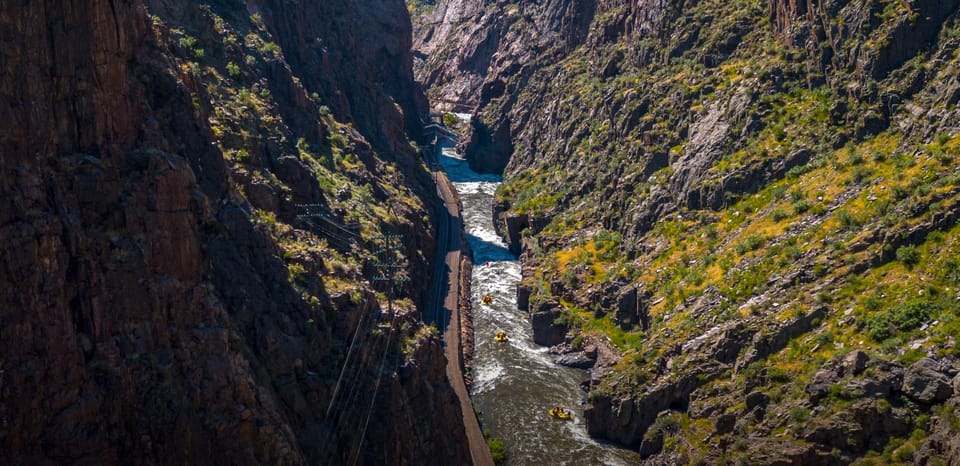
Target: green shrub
(667, 424)
(778, 375)
(497, 450)
(908, 316)
(298, 274)
(243, 156)
(883, 406)
(908, 255)
(190, 44)
(568, 318)
(949, 415)
(900, 192)
(799, 414)
(847, 219)
(269, 49)
(952, 271)
(449, 119)
(912, 356)
(904, 453)
(753, 371)
(752, 243)
(860, 173)
(577, 342)
(233, 70)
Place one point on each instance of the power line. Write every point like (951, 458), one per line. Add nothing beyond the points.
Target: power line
(387, 268)
(346, 360)
(318, 216)
(376, 388)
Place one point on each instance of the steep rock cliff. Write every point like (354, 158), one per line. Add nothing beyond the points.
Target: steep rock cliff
(473, 53)
(776, 184)
(166, 297)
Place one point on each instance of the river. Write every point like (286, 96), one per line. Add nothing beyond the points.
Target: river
(516, 382)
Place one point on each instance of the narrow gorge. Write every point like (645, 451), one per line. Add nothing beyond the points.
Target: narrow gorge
(752, 203)
(717, 232)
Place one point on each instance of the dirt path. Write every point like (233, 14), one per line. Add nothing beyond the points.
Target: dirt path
(450, 229)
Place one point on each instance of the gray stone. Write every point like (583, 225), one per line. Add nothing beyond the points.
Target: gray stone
(578, 360)
(652, 443)
(820, 384)
(923, 383)
(725, 424)
(756, 399)
(855, 362)
(546, 330)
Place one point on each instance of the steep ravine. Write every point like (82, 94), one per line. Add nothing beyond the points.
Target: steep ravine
(516, 382)
(755, 202)
(165, 297)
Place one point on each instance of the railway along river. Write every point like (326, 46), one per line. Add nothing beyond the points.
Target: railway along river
(516, 382)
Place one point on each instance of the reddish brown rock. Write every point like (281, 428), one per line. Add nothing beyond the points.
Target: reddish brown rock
(146, 317)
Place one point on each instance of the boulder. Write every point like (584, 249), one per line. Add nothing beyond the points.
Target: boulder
(855, 362)
(578, 360)
(631, 308)
(756, 399)
(725, 424)
(523, 297)
(836, 433)
(546, 330)
(515, 224)
(652, 443)
(925, 384)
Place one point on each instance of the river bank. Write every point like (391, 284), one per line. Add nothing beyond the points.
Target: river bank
(515, 382)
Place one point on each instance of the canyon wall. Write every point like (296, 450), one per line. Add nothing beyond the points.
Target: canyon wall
(756, 202)
(166, 298)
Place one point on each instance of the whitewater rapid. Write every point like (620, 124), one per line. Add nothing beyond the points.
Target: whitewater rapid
(516, 382)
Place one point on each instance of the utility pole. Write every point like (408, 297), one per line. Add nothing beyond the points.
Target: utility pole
(387, 264)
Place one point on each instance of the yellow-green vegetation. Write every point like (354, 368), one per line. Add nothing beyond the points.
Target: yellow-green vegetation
(743, 184)
(422, 334)
(420, 7)
(278, 163)
(498, 450)
(530, 192)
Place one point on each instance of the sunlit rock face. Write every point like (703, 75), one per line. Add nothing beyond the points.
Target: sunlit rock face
(776, 184)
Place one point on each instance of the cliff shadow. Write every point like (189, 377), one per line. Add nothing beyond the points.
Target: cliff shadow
(458, 170)
(488, 251)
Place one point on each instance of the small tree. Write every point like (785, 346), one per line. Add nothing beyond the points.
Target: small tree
(908, 255)
(449, 119)
(497, 450)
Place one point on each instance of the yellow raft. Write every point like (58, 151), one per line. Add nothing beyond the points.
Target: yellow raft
(559, 413)
(501, 337)
(487, 299)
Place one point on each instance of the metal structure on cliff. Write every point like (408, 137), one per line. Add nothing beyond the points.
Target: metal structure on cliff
(315, 215)
(387, 265)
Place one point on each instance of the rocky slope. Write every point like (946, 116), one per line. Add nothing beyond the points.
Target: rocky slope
(469, 52)
(165, 297)
(756, 202)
